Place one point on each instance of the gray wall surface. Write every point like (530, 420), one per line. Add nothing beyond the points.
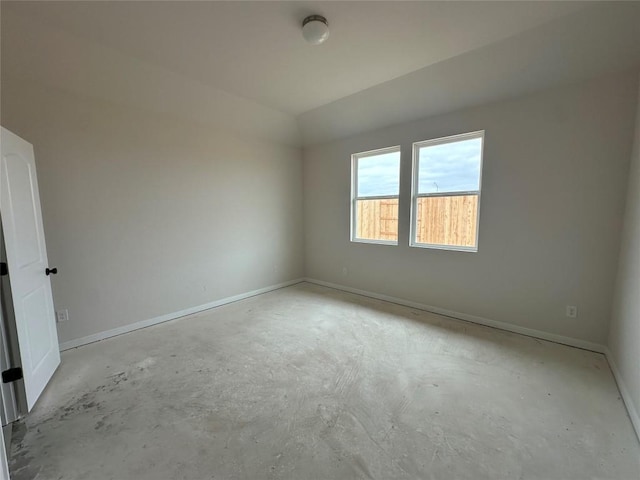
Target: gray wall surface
(146, 214)
(624, 336)
(554, 182)
(160, 194)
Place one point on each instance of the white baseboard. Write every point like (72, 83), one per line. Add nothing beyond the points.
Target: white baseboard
(572, 342)
(96, 337)
(626, 396)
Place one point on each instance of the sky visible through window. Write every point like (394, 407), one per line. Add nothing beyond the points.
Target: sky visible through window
(449, 167)
(379, 175)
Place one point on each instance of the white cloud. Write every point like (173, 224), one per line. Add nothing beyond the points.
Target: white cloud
(450, 167)
(379, 175)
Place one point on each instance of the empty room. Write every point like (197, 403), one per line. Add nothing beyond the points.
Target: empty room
(320, 240)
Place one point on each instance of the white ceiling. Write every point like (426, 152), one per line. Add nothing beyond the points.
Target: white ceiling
(244, 67)
(600, 40)
(255, 49)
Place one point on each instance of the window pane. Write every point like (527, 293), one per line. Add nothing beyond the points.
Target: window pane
(447, 220)
(450, 167)
(379, 175)
(377, 219)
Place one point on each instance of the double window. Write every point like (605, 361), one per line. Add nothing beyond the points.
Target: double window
(445, 193)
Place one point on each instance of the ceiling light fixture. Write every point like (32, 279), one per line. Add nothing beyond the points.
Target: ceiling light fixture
(315, 29)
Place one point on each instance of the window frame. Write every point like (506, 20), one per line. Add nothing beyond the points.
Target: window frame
(415, 178)
(354, 194)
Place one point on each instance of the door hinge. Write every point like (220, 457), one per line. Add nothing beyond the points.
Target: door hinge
(4, 270)
(12, 375)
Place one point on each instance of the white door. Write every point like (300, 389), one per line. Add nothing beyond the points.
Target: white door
(27, 260)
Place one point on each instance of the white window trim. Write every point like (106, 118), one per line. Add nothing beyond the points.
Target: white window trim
(354, 193)
(415, 195)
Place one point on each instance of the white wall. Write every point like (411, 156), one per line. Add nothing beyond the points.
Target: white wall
(554, 178)
(155, 190)
(146, 214)
(624, 336)
(158, 193)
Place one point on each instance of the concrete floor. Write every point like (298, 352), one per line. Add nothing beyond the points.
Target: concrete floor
(311, 383)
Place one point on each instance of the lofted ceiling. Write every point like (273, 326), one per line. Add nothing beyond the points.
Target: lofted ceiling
(256, 50)
(244, 66)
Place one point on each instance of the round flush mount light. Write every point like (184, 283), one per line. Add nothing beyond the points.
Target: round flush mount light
(315, 29)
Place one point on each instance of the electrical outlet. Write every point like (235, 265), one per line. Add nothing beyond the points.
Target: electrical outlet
(572, 311)
(62, 315)
(345, 271)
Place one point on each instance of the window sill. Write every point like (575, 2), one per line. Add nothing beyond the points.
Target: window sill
(374, 242)
(453, 248)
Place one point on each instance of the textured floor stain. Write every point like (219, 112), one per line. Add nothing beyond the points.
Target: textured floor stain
(311, 383)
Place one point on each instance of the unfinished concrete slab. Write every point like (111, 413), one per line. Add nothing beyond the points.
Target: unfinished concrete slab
(313, 383)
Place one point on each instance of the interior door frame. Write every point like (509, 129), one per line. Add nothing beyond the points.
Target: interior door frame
(9, 412)
(4, 456)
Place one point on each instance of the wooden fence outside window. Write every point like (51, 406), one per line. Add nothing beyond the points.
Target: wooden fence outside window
(442, 220)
